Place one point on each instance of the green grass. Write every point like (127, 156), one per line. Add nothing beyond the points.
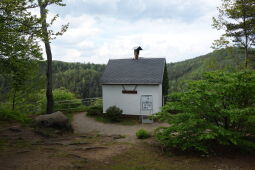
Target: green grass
(10, 144)
(101, 119)
(81, 108)
(6, 114)
(140, 158)
(146, 157)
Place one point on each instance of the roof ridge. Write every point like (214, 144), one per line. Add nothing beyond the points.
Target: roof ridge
(138, 59)
(126, 71)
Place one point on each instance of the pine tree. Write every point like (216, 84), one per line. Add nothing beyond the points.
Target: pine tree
(237, 19)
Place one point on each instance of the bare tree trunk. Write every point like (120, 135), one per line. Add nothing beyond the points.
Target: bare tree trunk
(245, 33)
(49, 95)
(246, 52)
(14, 100)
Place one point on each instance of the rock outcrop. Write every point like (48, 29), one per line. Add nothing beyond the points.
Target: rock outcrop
(57, 119)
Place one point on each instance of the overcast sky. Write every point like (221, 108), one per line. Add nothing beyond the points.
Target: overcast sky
(108, 29)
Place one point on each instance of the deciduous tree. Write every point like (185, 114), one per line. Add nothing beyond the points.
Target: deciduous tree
(215, 111)
(18, 45)
(48, 35)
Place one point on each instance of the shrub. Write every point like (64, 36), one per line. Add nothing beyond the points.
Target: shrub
(217, 110)
(114, 114)
(98, 102)
(94, 110)
(64, 100)
(10, 115)
(142, 134)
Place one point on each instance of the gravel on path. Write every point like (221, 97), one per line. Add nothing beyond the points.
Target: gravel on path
(84, 124)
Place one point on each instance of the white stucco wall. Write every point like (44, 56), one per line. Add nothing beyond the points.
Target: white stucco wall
(130, 103)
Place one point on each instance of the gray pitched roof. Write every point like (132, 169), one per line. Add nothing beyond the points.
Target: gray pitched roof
(131, 71)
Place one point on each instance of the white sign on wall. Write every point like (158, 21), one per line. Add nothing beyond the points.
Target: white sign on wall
(146, 103)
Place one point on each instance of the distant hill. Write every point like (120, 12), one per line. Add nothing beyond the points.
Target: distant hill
(83, 78)
(80, 78)
(230, 59)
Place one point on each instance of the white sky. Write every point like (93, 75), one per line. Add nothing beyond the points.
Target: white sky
(107, 29)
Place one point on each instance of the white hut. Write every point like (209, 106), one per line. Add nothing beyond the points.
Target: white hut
(134, 85)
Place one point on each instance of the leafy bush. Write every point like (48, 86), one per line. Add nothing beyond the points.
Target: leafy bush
(217, 110)
(114, 113)
(10, 115)
(96, 108)
(64, 100)
(98, 102)
(142, 134)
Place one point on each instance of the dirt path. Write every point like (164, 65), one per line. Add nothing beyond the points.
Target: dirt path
(84, 124)
(22, 148)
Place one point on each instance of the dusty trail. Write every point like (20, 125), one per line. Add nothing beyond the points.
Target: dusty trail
(84, 124)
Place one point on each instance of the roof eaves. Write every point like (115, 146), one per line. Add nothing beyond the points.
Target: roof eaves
(130, 83)
(162, 78)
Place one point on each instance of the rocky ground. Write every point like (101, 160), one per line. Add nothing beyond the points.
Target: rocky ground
(101, 147)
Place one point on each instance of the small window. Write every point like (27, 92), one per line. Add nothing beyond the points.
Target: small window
(129, 91)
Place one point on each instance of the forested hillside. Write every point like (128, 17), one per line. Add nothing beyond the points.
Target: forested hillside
(230, 59)
(81, 79)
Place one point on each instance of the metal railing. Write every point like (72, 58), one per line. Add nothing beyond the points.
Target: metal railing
(60, 105)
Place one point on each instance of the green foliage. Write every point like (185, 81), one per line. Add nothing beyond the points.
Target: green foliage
(46, 36)
(217, 110)
(83, 82)
(45, 33)
(64, 101)
(60, 66)
(236, 19)
(18, 27)
(142, 134)
(114, 113)
(83, 79)
(95, 109)
(19, 49)
(98, 102)
(229, 59)
(165, 85)
(9, 115)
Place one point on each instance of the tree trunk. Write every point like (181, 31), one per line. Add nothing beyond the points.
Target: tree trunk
(49, 95)
(246, 52)
(246, 35)
(14, 100)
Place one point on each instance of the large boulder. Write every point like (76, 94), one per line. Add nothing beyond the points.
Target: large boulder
(57, 119)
